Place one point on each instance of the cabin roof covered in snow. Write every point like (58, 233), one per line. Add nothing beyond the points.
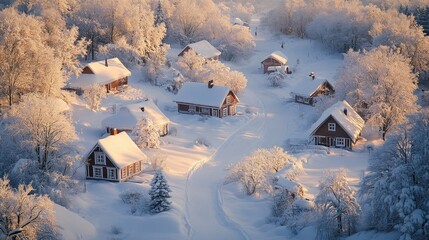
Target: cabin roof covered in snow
(308, 87)
(102, 74)
(277, 55)
(238, 21)
(351, 122)
(203, 48)
(129, 115)
(201, 94)
(121, 149)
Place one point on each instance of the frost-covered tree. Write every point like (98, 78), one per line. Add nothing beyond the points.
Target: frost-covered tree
(159, 194)
(197, 69)
(25, 215)
(337, 204)
(254, 171)
(276, 78)
(43, 127)
(395, 188)
(156, 62)
(147, 134)
(94, 95)
(380, 85)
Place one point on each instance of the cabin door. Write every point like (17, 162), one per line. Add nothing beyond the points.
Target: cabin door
(214, 112)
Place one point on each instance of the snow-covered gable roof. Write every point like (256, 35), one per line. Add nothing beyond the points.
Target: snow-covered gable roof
(309, 87)
(204, 49)
(277, 55)
(238, 21)
(200, 94)
(102, 74)
(351, 122)
(121, 149)
(129, 115)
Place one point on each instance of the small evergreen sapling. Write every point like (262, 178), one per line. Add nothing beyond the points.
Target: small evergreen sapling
(159, 194)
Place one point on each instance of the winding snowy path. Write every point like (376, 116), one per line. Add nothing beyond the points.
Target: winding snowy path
(205, 213)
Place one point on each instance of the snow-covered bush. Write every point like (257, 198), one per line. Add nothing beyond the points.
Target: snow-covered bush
(147, 134)
(276, 79)
(254, 171)
(158, 162)
(201, 141)
(94, 95)
(337, 205)
(159, 194)
(138, 201)
(25, 215)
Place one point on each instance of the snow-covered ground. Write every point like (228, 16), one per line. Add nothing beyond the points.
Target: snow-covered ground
(203, 206)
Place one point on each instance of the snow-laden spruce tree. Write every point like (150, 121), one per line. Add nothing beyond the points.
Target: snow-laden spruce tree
(147, 134)
(94, 95)
(380, 85)
(395, 189)
(156, 62)
(25, 215)
(159, 194)
(338, 207)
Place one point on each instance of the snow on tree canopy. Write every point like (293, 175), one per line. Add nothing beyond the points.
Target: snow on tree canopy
(308, 87)
(201, 94)
(238, 21)
(277, 55)
(345, 116)
(203, 48)
(102, 74)
(128, 116)
(121, 149)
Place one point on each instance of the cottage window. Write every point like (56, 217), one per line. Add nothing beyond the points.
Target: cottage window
(228, 100)
(225, 112)
(331, 127)
(98, 172)
(124, 173)
(111, 173)
(340, 142)
(138, 167)
(192, 108)
(205, 111)
(100, 158)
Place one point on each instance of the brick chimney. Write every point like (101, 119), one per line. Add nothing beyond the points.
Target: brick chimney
(113, 131)
(345, 111)
(210, 84)
(105, 62)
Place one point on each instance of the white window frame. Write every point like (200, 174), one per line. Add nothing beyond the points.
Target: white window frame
(97, 159)
(340, 142)
(93, 171)
(110, 175)
(192, 108)
(332, 127)
(225, 112)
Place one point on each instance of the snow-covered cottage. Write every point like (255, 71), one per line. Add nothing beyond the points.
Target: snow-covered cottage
(275, 59)
(129, 115)
(339, 126)
(202, 48)
(110, 73)
(114, 158)
(306, 91)
(206, 99)
(238, 21)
